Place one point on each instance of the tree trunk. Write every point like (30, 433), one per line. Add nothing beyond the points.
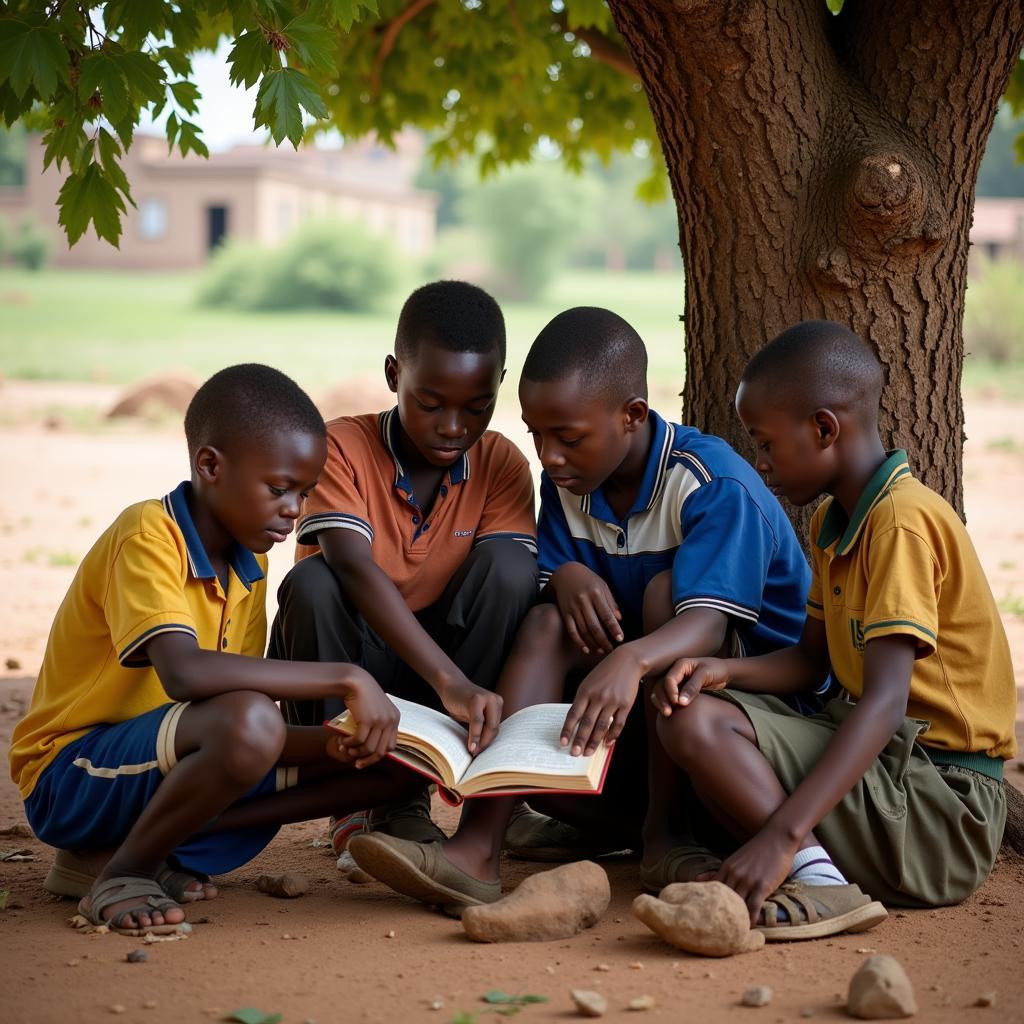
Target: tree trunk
(824, 167)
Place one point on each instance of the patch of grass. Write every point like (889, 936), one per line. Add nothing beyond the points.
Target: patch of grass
(1006, 565)
(1012, 604)
(62, 559)
(1008, 444)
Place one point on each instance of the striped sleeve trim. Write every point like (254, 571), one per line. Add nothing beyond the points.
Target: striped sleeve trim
(313, 524)
(815, 611)
(528, 541)
(129, 657)
(889, 626)
(719, 604)
(544, 579)
(702, 471)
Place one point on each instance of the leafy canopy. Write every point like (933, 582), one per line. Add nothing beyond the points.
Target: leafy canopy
(494, 79)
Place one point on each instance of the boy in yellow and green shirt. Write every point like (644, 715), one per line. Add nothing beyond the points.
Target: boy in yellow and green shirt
(895, 790)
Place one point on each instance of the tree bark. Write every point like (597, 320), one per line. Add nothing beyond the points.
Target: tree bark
(824, 168)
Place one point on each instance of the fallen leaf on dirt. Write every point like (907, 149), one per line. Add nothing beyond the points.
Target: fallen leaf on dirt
(16, 855)
(250, 1015)
(149, 938)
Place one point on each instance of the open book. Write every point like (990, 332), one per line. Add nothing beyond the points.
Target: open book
(525, 756)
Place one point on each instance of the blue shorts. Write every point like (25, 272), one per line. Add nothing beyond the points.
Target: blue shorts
(94, 791)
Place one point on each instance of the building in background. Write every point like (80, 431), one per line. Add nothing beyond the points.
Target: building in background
(997, 232)
(186, 207)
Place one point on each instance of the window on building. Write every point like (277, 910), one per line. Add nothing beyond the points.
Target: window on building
(152, 219)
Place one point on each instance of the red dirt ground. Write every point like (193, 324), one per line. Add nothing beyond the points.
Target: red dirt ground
(327, 957)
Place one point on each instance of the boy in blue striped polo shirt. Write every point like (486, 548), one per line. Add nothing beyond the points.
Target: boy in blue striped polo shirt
(656, 542)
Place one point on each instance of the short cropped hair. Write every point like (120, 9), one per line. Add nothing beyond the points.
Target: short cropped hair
(595, 345)
(818, 364)
(453, 315)
(247, 406)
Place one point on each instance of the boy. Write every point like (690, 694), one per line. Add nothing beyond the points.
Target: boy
(417, 553)
(152, 754)
(899, 790)
(654, 541)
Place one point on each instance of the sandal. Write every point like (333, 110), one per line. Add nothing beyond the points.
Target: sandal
(175, 882)
(814, 911)
(683, 863)
(127, 887)
(422, 871)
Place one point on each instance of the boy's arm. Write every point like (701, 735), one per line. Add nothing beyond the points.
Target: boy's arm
(758, 867)
(190, 673)
(350, 557)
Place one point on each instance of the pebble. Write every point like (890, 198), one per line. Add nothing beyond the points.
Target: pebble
(287, 886)
(437, 1004)
(602, 967)
(807, 1012)
(701, 917)
(881, 990)
(136, 956)
(554, 904)
(12, 664)
(641, 1003)
(589, 1003)
(636, 965)
(758, 995)
(149, 1004)
(986, 999)
(117, 1008)
(389, 934)
(72, 963)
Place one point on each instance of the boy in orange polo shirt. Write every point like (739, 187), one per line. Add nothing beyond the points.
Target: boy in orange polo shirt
(417, 552)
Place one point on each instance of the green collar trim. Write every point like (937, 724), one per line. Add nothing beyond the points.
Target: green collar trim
(836, 527)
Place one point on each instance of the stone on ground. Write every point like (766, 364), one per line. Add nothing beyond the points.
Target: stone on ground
(757, 995)
(287, 886)
(588, 1003)
(701, 917)
(554, 904)
(881, 990)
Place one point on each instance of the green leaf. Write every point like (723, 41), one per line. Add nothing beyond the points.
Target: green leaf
(250, 1015)
(498, 997)
(109, 152)
(90, 196)
(136, 19)
(284, 94)
(171, 130)
(102, 74)
(31, 54)
(144, 75)
(189, 139)
(835, 6)
(186, 95)
(588, 14)
(1014, 94)
(249, 58)
(346, 12)
(312, 42)
(464, 1017)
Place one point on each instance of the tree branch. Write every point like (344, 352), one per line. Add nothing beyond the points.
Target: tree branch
(390, 35)
(606, 50)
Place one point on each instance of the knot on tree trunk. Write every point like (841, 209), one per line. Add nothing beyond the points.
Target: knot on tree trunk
(893, 204)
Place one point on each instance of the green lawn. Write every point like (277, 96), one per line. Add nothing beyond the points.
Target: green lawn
(114, 326)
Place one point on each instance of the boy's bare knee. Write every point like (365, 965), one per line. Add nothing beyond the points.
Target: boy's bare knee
(658, 608)
(250, 735)
(543, 625)
(692, 735)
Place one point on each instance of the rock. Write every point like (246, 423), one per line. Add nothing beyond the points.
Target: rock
(136, 956)
(700, 917)
(287, 886)
(602, 967)
(19, 831)
(881, 990)
(807, 1012)
(155, 397)
(641, 1003)
(553, 904)
(588, 1003)
(758, 995)
(986, 999)
(117, 1008)
(12, 664)
(149, 1004)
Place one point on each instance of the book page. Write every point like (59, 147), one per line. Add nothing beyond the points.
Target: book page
(444, 734)
(527, 744)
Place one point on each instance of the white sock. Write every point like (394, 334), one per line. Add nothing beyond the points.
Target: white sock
(813, 866)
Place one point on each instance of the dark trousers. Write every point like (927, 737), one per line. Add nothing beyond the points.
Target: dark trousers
(473, 621)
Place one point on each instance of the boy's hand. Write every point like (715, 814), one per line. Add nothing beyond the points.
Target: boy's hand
(376, 720)
(477, 708)
(588, 609)
(602, 703)
(685, 679)
(758, 868)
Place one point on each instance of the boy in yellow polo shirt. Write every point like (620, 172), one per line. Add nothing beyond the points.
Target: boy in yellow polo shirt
(153, 729)
(897, 788)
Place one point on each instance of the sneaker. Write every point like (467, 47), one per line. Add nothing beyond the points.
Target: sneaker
(408, 819)
(342, 829)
